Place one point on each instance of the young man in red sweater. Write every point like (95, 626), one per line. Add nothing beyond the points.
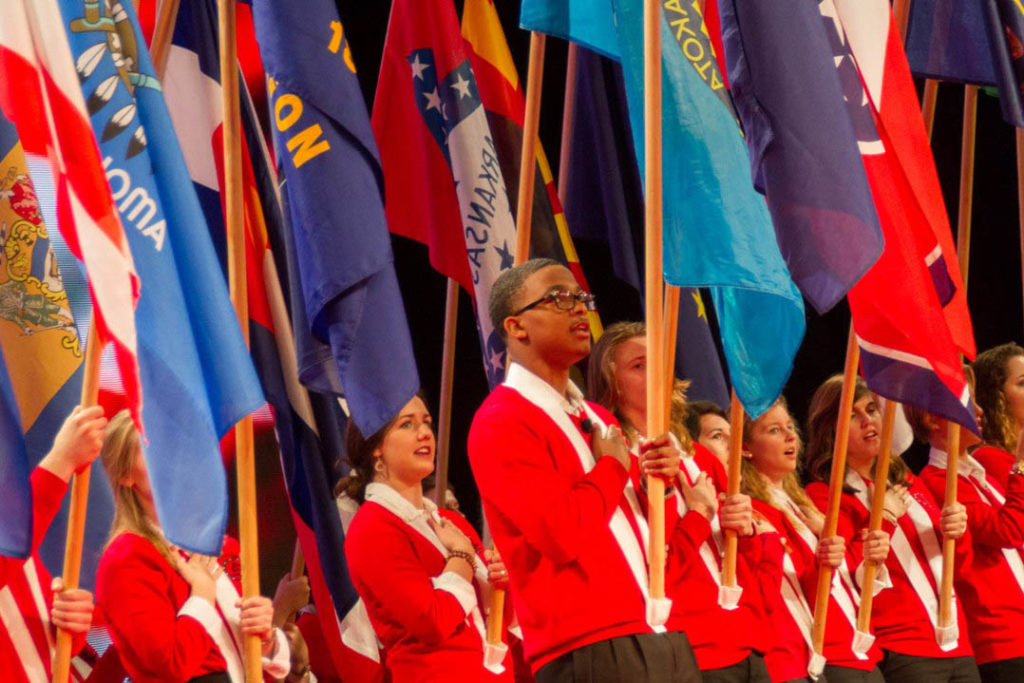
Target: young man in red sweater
(552, 471)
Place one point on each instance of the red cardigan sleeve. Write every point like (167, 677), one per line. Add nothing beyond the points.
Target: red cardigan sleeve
(996, 527)
(558, 513)
(47, 492)
(133, 586)
(394, 582)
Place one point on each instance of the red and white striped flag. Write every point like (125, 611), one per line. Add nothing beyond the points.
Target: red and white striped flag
(40, 93)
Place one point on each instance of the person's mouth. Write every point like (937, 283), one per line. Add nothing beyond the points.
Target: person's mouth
(581, 329)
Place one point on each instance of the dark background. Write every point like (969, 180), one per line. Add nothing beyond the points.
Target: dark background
(994, 292)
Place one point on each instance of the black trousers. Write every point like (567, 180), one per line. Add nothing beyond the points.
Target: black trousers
(1002, 671)
(642, 658)
(845, 674)
(749, 670)
(211, 678)
(899, 668)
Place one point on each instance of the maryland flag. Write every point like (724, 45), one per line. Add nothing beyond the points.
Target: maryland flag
(504, 104)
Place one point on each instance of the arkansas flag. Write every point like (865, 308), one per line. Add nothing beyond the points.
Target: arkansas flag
(41, 95)
(442, 176)
(910, 310)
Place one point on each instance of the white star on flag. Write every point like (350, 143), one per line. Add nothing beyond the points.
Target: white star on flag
(418, 67)
(462, 85)
(433, 100)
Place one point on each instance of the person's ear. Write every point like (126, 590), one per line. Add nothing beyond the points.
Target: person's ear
(514, 328)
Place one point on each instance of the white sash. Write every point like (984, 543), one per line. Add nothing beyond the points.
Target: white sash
(843, 590)
(947, 637)
(711, 549)
(387, 497)
(543, 395)
(974, 472)
(796, 604)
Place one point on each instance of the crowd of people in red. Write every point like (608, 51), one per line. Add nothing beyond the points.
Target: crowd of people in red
(562, 479)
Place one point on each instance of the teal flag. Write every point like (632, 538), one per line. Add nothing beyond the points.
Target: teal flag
(588, 22)
(717, 231)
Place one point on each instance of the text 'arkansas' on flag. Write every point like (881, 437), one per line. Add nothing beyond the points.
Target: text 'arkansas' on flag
(443, 178)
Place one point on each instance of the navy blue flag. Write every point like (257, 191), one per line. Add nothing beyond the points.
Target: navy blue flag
(604, 201)
(804, 114)
(197, 377)
(977, 42)
(333, 188)
(15, 491)
(309, 426)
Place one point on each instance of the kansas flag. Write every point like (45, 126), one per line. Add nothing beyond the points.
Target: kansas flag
(197, 377)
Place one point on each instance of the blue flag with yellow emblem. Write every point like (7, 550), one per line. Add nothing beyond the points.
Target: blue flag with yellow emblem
(41, 379)
(332, 188)
(197, 377)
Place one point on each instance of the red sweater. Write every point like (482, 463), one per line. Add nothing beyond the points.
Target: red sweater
(839, 632)
(992, 596)
(424, 629)
(26, 641)
(719, 637)
(550, 520)
(899, 618)
(159, 638)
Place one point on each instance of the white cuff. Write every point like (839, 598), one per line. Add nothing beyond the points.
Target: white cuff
(816, 666)
(453, 583)
(203, 612)
(882, 579)
(279, 663)
(658, 610)
(729, 596)
(862, 642)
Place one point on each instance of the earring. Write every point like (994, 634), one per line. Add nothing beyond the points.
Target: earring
(378, 466)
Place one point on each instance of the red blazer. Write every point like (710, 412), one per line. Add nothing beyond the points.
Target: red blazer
(992, 597)
(28, 629)
(719, 637)
(424, 629)
(550, 521)
(899, 619)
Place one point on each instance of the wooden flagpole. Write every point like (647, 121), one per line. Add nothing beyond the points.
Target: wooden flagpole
(963, 247)
(928, 100)
(733, 487)
(653, 285)
(235, 221)
(160, 45)
(963, 225)
(524, 222)
(568, 116)
(528, 159)
(444, 410)
(835, 486)
(877, 506)
(77, 510)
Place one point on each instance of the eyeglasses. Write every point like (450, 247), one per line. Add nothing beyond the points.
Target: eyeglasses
(563, 300)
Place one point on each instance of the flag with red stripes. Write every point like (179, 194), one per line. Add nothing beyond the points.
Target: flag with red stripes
(41, 95)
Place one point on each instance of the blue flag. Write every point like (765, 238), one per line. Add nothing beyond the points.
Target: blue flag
(333, 193)
(15, 490)
(604, 201)
(587, 22)
(804, 114)
(197, 377)
(38, 335)
(977, 42)
(717, 231)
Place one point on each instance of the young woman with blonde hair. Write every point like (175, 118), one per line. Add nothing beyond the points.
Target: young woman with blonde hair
(173, 617)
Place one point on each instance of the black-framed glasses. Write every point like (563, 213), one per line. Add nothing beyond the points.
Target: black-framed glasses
(563, 301)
